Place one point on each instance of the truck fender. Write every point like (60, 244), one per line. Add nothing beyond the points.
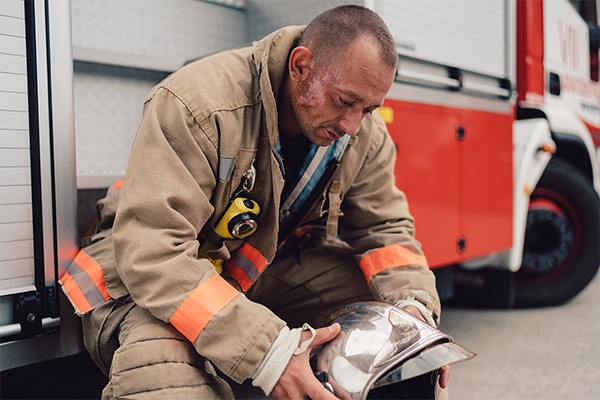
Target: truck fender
(565, 122)
(532, 150)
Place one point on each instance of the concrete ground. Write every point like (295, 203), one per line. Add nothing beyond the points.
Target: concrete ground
(535, 354)
(544, 353)
(523, 354)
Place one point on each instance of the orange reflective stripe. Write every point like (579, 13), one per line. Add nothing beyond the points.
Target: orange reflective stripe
(239, 275)
(84, 283)
(389, 257)
(254, 256)
(75, 294)
(118, 184)
(245, 265)
(94, 270)
(201, 305)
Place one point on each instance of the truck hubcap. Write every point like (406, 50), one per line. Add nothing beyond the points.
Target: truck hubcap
(551, 236)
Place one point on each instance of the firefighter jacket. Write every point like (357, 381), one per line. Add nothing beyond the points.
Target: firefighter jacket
(202, 129)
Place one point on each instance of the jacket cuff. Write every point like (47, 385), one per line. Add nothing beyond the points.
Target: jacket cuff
(237, 338)
(427, 315)
(277, 358)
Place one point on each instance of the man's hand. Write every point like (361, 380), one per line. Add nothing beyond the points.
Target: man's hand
(445, 370)
(297, 380)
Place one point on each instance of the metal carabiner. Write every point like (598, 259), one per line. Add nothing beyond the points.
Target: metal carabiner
(248, 178)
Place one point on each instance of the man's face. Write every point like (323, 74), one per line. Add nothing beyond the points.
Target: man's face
(331, 100)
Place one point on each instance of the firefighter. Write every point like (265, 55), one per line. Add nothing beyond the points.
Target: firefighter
(258, 198)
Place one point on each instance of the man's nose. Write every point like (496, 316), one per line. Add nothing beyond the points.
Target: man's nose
(350, 122)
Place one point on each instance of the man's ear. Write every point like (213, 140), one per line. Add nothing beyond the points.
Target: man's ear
(300, 63)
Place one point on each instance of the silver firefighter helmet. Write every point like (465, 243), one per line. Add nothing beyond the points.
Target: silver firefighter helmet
(384, 352)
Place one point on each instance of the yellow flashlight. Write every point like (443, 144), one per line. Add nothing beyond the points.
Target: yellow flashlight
(239, 220)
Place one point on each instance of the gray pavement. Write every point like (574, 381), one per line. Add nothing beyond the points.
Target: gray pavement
(548, 353)
(526, 354)
(533, 354)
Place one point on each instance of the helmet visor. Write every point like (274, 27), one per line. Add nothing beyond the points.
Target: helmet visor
(430, 359)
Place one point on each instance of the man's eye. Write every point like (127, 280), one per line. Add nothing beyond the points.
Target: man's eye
(346, 102)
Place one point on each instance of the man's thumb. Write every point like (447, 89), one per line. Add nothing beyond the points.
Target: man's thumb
(323, 335)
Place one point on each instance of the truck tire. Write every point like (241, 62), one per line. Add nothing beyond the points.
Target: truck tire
(561, 251)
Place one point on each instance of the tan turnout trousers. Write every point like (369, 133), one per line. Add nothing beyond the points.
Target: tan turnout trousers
(148, 358)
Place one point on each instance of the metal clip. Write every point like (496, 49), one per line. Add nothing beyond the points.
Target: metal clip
(249, 177)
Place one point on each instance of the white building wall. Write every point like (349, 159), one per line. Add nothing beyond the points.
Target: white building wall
(265, 16)
(121, 50)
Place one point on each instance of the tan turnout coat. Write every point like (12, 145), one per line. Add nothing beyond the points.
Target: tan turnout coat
(216, 112)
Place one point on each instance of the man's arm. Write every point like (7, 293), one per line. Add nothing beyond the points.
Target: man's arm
(163, 205)
(378, 225)
(297, 380)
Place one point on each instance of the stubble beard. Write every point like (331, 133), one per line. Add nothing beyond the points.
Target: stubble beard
(305, 105)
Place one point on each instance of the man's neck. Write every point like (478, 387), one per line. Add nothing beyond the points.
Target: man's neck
(289, 131)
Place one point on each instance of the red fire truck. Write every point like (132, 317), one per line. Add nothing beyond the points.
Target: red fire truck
(495, 112)
(496, 116)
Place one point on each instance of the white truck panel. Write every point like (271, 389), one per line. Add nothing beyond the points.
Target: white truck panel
(37, 216)
(13, 120)
(13, 139)
(473, 32)
(14, 45)
(15, 157)
(12, 25)
(565, 39)
(13, 101)
(11, 8)
(15, 269)
(13, 83)
(10, 213)
(18, 249)
(15, 194)
(16, 226)
(15, 176)
(566, 54)
(15, 231)
(13, 64)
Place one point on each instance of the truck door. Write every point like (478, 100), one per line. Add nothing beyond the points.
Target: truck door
(37, 181)
(450, 114)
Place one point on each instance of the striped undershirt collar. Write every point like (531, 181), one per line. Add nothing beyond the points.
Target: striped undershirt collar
(310, 173)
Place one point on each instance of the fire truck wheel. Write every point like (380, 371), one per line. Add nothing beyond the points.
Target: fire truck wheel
(560, 252)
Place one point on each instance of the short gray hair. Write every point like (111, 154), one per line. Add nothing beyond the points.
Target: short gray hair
(333, 30)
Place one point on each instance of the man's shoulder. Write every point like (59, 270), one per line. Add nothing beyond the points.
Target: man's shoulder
(373, 130)
(222, 81)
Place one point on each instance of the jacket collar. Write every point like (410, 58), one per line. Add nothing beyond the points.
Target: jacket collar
(270, 57)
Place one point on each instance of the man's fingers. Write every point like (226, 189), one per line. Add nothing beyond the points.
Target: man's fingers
(414, 311)
(316, 391)
(444, 376)
(323, 335)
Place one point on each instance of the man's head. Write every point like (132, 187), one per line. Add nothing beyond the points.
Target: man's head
(340, 71)
(333, 30)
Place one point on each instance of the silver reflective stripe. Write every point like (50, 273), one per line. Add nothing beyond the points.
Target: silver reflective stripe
(226, 165)
(246, 265)
(85, 283)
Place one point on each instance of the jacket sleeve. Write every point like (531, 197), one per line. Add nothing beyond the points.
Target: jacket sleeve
(163, 204)
(377, 224)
